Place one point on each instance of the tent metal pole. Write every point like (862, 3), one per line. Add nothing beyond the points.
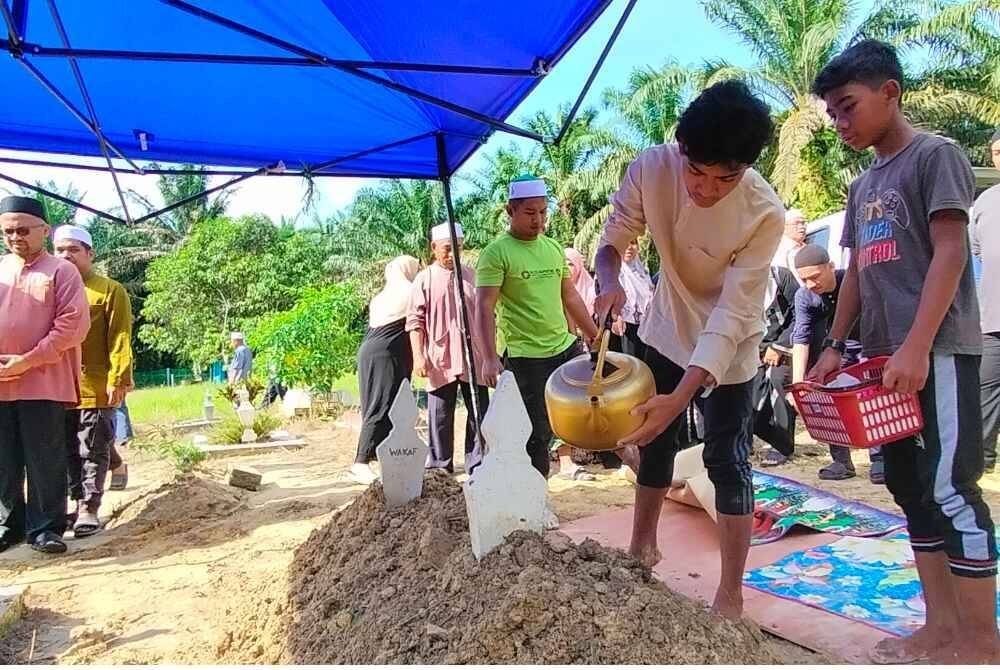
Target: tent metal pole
(51, 88)
(593, 73)
(323, 60)
(60, 198)
(234, 59)
(12, 29)
(385, 147)
(457, 274)
(197, 196)
(90, 106)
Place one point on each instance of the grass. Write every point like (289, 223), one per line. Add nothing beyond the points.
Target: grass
(165, 405)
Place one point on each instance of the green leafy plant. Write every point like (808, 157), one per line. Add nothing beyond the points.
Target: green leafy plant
(159, 440)
(230, 430)
(316, 341)
(230, 392)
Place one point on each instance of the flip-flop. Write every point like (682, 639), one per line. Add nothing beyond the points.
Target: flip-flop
(773, 458)
(836, 472)
(87, 524)
(577, 474)
(48, 542)
(877, 473)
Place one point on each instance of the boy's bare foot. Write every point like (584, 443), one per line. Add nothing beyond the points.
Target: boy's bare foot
(727, 604)
(920, 646)
(647, 555)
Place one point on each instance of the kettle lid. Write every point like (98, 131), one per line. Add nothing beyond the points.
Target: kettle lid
(579, 371)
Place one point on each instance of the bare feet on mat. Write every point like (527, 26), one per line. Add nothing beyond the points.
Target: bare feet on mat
(916, 647)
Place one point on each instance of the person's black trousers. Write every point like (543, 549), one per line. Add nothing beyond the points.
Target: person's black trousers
(774, 418)
(989, 380)
(90, 439)
(384, 361)
(32, 446)
(531, 375)
(441, 404)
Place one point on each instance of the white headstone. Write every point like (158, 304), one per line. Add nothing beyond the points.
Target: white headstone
(505, 493)
(402, 454)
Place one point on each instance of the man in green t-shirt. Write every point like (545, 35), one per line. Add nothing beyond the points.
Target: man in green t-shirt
(525, 275)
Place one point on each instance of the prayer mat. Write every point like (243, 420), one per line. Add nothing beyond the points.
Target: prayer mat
(781, 504)
(868, 580)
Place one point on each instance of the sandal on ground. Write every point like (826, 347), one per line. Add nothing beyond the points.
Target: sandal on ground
(773, 458)
(577, 474)
(48, 542)
(119, 480)
(837, 471)
(876, 475)
(86, 524)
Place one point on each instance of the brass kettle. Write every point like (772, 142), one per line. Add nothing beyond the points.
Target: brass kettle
(589, 398)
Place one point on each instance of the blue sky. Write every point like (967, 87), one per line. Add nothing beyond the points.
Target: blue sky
(657, 31)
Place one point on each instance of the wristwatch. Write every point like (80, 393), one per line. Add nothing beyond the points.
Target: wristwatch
(837, 345)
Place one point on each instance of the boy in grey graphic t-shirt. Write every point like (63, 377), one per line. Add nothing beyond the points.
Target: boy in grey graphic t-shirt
(911, 283)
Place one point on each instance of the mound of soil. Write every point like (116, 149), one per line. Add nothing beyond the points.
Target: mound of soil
(185, 510)
(401, 586)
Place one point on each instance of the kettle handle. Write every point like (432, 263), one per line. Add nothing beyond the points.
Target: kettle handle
(604, 337)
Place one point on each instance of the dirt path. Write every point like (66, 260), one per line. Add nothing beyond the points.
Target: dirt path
(184, 560)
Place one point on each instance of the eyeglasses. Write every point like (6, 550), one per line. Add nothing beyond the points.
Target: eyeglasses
(20, 231)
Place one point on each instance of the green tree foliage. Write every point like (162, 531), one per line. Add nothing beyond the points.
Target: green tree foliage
(228, 274)
(316, 341)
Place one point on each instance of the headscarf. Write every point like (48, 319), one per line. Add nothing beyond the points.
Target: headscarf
(390, 303)
(581, 279)
(638, 287)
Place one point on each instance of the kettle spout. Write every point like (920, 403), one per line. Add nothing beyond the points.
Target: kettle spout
(596, 421)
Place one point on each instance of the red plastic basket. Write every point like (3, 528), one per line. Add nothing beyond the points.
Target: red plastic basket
(860, 416)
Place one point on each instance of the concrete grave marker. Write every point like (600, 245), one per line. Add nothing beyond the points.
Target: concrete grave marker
(402, 454)
(505, 493)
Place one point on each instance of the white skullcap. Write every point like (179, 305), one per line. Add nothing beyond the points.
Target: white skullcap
(527, 186)
(75, 233)
(236, 335)
(441, 233)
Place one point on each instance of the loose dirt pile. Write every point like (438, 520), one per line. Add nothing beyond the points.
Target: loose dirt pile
(185, 510)
(402, 586)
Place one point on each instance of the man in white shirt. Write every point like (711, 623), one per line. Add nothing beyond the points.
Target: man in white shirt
(793, 239)
(716, 224)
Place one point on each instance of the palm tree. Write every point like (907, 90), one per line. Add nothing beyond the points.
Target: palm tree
(582, 148)
(647, 110)
(56, 211)
(481, 210)
(793, 40)
(392, 218)
(960, 93)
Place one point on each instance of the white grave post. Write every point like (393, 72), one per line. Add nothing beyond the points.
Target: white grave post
(402, 454)
(505, 493)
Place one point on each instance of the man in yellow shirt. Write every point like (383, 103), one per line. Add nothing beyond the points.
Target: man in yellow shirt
(106, 378)
(716, 225)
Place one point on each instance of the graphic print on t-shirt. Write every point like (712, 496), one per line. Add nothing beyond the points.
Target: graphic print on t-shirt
(880, 215)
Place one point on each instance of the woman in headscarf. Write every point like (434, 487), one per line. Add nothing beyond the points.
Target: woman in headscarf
(384, 360)
(639, 288)
(583, 282)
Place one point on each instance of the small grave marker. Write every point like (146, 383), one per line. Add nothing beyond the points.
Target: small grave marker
(505, 493)
(402, 454)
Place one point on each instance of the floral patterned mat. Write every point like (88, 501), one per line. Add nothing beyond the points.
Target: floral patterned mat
(781, 504)
(869, 580)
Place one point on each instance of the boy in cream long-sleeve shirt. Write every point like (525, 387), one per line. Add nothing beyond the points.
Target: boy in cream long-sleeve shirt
(716, 225)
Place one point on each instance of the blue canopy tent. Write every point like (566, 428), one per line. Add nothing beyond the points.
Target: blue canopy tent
(372, 88)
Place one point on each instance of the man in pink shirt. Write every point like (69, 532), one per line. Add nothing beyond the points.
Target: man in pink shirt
(434, 323)
(44, 317)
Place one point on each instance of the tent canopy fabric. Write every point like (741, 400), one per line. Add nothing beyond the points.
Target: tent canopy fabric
(329, 87)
